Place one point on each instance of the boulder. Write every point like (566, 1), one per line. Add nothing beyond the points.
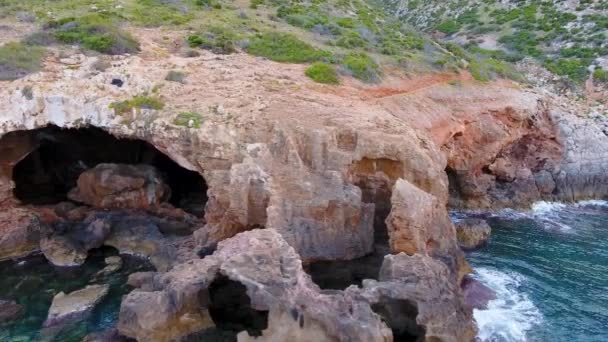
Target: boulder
(20, 231)
(74, 306)
(67, 244)
(113, 264)
(121, 186)
(416, 296)
(10, 310)
(472, 233)
(141, 280)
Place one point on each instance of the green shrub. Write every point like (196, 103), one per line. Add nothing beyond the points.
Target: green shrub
(286, 48)
(138, 102)
(352, 39)
(175, 76)
(208, 4)
(448, 27)
(189, 119)
(18, 60)
(216, 39)
(575, 69)
(600, 75)
(253, 4)
(94, 32)
(362, 67)
(322, 73)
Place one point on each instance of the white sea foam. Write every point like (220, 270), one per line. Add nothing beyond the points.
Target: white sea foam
(594, 203)
(545, 208)
(512, 314)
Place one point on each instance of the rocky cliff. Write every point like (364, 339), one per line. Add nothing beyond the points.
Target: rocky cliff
(321, 168)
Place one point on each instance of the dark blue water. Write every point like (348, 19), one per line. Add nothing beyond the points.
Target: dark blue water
(33, 282)
(549, 268)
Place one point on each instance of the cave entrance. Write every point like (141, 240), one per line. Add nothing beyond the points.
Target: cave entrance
(230, 308)
(375, 178)
(400, 315)
(50, 171)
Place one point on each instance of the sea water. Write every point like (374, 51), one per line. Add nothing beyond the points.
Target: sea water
(549, 269)
(32, 282)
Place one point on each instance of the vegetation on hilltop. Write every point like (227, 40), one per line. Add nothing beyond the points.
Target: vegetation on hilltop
(568, 38)
(353, 37)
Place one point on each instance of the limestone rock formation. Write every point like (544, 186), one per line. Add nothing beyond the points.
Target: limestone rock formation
(66, 243)
(121, 186)
(182, 300)
(472, 233)
(20, 231)
(75, 305)
(418, 222)
(420, 284)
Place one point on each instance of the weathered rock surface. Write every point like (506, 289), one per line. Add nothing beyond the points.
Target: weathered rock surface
(472, 233)
(423, 285)
(20, 231)
(271, 272)
(67, 308)
(121, 186)
(10, 310)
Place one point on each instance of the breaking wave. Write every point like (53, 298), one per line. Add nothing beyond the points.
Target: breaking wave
(511, 314)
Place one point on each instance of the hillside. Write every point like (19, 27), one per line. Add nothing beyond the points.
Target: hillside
(566, 37)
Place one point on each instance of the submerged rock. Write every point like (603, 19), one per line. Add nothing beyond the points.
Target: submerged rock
(121, 186)
(476, 294)
(10, 310)
(472, 233)
(75, 305)
(113, 264)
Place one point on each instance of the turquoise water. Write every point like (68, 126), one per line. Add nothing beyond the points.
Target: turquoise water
(33, 282)
(549, 268)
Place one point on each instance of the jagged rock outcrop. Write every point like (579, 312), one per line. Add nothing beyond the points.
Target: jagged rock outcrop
(66, 243)
(472, 233)
(421, 284)
(271, 272)
(116, 186)
(71, 307)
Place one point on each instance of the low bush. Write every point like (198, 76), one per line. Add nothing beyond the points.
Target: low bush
(216, 39)
(18, 60)
(322, 73)
(94, 32)
(362, 67)
(286, 48)
(600, 75)
(448, 27)
(189, 119)
(575, 69)
(176, 76)
(138, 102)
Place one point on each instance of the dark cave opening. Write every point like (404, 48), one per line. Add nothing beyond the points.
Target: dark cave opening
(50, 171)
(230, 308)
(375, 178)
(400, 315)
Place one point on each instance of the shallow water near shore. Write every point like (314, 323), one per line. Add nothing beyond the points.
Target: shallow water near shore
(33, 282)
(549, 268)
